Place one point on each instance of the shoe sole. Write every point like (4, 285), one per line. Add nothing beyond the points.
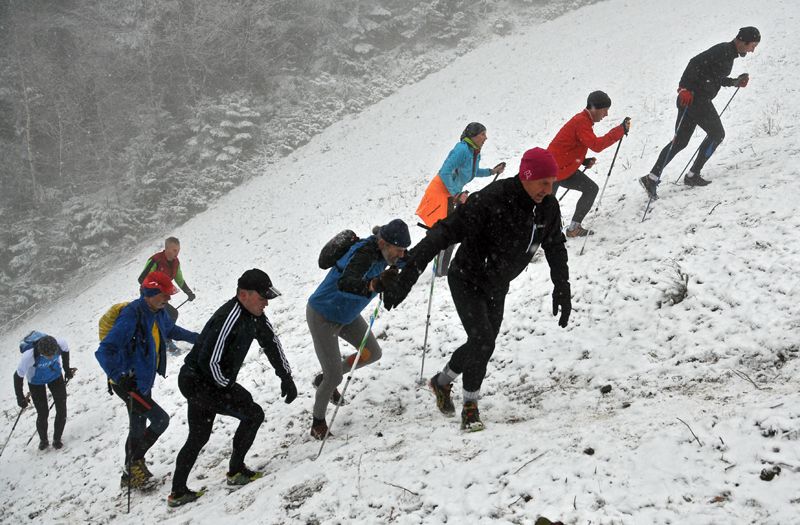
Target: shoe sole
(474, 428)
(173, 504)
(251, 479)
(148, 486)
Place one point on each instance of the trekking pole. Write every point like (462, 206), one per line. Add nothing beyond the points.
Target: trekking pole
(597, 208)
(352, 370)
(21, 410)
(698, 147)
(37, 430)
(183, 303)
(666, 159)
(421, 381)
(129, 449)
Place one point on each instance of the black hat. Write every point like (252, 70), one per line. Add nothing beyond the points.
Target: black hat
(598, 100)
(472, 129)
(749, 34)
(259, 282)
(396, 232)
(46, 346)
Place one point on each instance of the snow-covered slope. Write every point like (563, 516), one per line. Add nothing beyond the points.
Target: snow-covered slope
(720, 365)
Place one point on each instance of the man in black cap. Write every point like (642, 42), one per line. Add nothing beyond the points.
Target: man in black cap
(700, 83)
(208, 380)
(334, 310)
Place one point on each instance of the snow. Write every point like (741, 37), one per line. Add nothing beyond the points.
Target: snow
(723, 360)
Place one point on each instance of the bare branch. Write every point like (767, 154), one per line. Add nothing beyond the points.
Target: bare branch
(690, 430)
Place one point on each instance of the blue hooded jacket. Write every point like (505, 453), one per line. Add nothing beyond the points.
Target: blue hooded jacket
(460, 167)
(345, 290)
(129, 346)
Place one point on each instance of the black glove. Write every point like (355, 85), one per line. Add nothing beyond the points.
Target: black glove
(385, 279)
(561, 298)
(127, 383)
(22, 402)
(190, 295)
(626, 124)
(69, 373)
(398, 288)
(589, 162)
(742, 80)
(288, 389)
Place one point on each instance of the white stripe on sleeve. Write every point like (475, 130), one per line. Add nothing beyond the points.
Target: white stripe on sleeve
(219, 346)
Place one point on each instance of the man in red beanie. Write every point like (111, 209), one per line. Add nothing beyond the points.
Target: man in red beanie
(499, 228)
(569, 148)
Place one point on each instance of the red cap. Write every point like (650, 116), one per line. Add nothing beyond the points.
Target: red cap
(537, 163)
(159, 281)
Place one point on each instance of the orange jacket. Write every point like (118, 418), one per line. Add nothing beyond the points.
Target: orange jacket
(573, 140)
(433, 205)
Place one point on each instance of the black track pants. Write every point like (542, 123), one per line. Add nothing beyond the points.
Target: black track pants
(141, 409)
(204, 401)
(58, 389)
(481, 316)
(580, 182)
(700, 113)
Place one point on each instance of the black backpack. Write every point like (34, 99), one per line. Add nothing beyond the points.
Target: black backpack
(336, 248)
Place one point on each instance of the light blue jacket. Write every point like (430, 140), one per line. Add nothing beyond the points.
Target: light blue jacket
(460, 167)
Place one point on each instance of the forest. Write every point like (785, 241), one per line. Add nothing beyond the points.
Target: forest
(122, 119)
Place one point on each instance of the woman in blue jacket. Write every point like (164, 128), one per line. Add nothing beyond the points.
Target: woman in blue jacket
(446, 189)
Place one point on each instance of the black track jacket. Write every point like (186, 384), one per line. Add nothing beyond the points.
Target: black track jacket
(499, 229)
(222, 346)
(709, 70)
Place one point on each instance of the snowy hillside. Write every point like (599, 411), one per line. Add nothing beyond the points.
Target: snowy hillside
(724, 360)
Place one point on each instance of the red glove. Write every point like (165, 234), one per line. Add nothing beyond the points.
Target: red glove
(685, 97)
(742, 80)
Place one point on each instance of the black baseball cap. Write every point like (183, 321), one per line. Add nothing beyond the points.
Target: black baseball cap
(259, 282)
(749, 34)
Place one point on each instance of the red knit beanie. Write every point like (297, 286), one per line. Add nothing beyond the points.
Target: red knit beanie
(537, 163)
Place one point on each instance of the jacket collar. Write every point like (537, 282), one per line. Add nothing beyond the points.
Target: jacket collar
(521, 197)
(587, 116)
(472, 145)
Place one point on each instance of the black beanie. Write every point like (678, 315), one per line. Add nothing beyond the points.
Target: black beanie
(396, 232)
(598, 100)
(749, 34)
(472, 129)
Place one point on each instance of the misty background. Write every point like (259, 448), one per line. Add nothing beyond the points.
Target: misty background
(120, 120)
